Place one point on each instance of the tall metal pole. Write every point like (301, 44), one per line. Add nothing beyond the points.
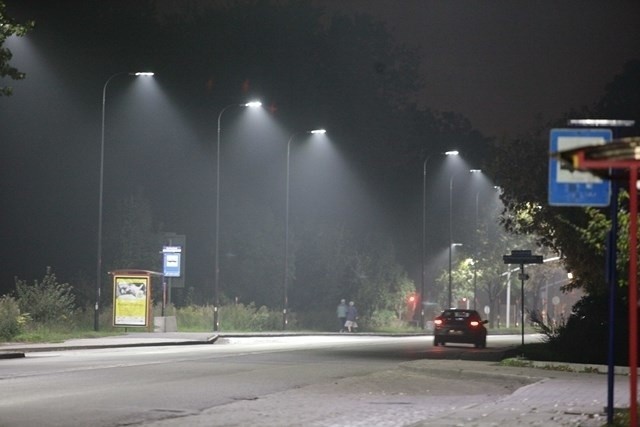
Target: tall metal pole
(450, 235)
(96, 313)
(285, 286)
(522, 279)
(285, 302)
(424, 243)
(475, 261)
(633, 295)
(216, 280)
(612, 277)
(216, 275)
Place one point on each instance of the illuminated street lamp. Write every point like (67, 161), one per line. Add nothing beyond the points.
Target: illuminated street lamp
(96, 317)
(451, 244)
(424, 229)
(216, 286)
(285, 302)
(475, 259)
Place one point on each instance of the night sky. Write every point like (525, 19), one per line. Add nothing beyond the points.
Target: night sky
(503, 65)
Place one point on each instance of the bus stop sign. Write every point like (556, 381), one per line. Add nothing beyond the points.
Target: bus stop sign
(568, 187)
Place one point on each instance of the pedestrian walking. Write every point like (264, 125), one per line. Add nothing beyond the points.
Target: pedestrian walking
(352, 317)
(341, 312)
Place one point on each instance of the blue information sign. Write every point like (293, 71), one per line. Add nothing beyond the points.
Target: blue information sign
(569, 187)
(171, 261)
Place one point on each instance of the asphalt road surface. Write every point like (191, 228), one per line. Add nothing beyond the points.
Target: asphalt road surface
(288, 381)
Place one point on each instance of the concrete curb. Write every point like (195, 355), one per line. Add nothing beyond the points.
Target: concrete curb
(17, 352)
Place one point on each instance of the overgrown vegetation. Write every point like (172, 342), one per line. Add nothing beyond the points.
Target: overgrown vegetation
(47, 301)
(46, 310)
(11, 320)
(587, 323)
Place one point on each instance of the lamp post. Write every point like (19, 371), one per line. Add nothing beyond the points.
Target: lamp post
(450, 235)
(424, 230)
(216, 287)
(285, 286)
(475, 261)
(96, 316)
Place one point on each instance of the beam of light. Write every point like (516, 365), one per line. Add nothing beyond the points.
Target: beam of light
(452, 153)
(318, 131)
(602, 122)
(253, 104)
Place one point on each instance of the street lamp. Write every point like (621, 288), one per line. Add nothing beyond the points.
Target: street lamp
(285, 303)
(424, 229)
(216, 287)
(451, 244)
(475, 261)
(96, 316)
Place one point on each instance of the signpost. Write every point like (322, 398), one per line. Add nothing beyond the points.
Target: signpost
(522, 257)
(622, 155)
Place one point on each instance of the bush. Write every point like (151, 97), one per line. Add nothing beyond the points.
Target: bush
(383, 319)
(240, 317)
(194, 318)
(11, 321)
(47, 301)
(584, 337)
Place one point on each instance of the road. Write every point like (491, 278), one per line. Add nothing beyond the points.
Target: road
(238, 381)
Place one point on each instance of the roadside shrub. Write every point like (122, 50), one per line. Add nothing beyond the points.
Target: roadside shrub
(584, 337)
(240, 317)
(46, 301)
(11, 321)
(194, 318)
(382, 320)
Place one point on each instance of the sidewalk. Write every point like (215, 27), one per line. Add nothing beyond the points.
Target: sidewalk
(552, 397)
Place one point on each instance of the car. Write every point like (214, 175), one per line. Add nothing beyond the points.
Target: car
(460, 326)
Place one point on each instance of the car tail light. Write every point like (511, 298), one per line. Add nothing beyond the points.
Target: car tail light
(438, 322)
(474, 323)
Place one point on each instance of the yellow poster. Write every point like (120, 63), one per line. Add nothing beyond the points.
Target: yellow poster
(130, 300)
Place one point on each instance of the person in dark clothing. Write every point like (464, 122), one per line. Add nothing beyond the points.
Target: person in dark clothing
(352, 317)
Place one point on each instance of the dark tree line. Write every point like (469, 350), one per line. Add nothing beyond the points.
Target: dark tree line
(353, 233)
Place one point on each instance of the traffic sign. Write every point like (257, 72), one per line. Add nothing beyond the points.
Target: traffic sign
(522, 257)
(171, 261)
(568, 187)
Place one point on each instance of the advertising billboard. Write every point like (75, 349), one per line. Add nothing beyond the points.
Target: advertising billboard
(131, 300)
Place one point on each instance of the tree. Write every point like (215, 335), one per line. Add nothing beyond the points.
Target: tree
(520, 167)
(8, 28)
(46, 301)
(309, 67)
(132, 239)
